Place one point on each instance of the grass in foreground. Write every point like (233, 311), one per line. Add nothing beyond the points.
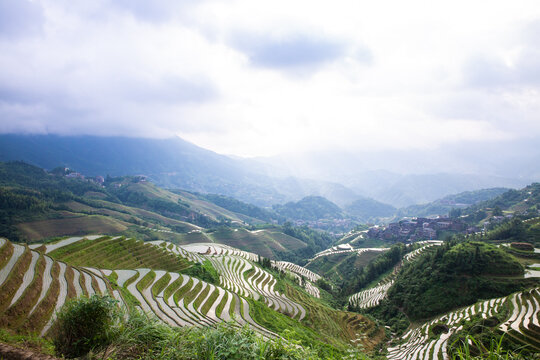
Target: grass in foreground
(472, 349)
(95, 328)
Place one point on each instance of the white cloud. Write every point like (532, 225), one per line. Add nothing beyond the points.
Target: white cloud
(233, 76)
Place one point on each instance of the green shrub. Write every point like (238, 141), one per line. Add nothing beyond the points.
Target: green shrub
(227, 342)
(205, 272)
(84, 324)
(472, 349)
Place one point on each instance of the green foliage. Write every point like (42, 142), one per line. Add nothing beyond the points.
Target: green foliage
(515, 230)
(227, 342)
(325, 285)
(451, 204)
(20, 174)
(13, 200)
(452, 275)
(30, 193)
(316, 241)
(296, 332)
(28, 342)
(381, 264)
(525, 201)
(84, 324)
(205, 272)
(310, 208)
(367, 209)
(471, 348)
(240, 207)
(481, 337)
(265, 263)
(177, 210)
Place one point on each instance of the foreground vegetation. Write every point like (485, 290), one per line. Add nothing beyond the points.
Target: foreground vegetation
(96, 328)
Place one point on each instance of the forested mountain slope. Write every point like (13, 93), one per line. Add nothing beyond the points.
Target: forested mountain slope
(36, 205)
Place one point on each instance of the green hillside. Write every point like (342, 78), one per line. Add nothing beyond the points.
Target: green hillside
(310, 208)
(448, 203)
(265, 242)
(208, 264)
(182, 204)
(453, 275)
(37, 205)
(369, 210)
(524, 201)
(239, 207)
(339, 267)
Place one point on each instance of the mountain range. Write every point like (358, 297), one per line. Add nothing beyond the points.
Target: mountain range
(176, 163)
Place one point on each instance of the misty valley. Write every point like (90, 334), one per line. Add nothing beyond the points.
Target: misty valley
(317, 280)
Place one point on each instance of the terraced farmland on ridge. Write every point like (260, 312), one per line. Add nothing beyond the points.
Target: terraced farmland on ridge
(33, 286)
(373, 296)
(519, 313)
(104, 252)
(338, 250)
(522, 324)
(370, 297)
(37, 280)
(182, 300)
(232, 263)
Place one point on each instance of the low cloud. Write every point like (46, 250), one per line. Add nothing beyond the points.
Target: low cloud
(171, 90)
(517, 66)
(19, 18)
(225, 74)
(289, 51)
(154, 11)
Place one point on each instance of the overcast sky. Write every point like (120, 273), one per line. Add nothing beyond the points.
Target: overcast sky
(257, 78)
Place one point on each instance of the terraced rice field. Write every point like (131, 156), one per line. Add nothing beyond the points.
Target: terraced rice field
(522, 324)
(212, 249)
(113, 253)
(239, 274)
(178, 250)
(75, 266)
(427, 244)
(45, 284)
(36, 281)
(305, 277)
(370, 297)
(182, 300)
(297, 269)
(336, 250)
(221, 256)
(33, 286)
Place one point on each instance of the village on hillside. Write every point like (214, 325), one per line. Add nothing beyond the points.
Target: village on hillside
(419, 228)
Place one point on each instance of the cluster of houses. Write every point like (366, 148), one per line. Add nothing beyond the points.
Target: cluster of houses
(100, 180)
(419, 229)
(70, 174)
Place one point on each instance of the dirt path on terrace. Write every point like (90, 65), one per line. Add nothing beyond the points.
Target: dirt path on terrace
(13, 353)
